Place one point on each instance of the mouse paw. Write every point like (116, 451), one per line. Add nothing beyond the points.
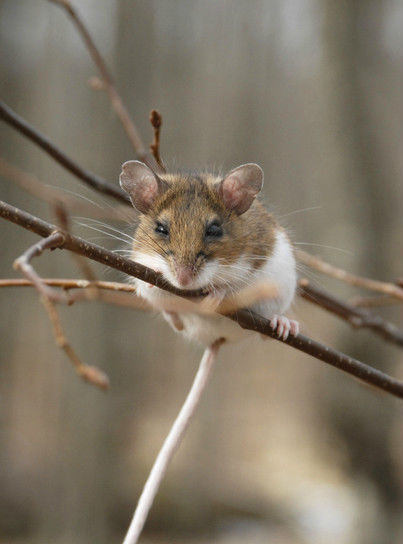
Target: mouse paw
(284, 326)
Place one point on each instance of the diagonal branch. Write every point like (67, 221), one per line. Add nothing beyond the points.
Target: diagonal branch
(51, 194)
(94, 181)
(322, 266)
(357, 317)
(48, 297)
(172, 443)
(108, 83)
(245, 318)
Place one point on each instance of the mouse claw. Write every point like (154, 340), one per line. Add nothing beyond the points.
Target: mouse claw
(284, 326)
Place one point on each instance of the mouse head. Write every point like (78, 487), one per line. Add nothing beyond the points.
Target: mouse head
(191, 225)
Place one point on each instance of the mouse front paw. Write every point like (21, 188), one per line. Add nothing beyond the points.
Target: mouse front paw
(284, 326)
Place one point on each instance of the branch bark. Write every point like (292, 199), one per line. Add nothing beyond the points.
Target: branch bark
(245, 318)
(90, 179)
(357, 317)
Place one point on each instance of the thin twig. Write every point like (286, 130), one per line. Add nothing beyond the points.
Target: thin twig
(340, 274)
(245, 318)
(352, 315)
(108, 83)
(50, 194)
(156, 122)
(374, 302)
(357, 317)
(94, 181)
(90, 374)
(48, 297)
(172, 443)
(54, 240)
(68, 284)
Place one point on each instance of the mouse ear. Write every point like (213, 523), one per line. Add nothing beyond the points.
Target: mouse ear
(141, 184)
(240, 187)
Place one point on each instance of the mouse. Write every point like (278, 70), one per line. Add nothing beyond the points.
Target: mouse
(210, 232)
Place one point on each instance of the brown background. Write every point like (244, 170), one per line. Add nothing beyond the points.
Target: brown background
(284, 450)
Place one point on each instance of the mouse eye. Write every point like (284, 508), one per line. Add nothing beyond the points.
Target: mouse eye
(162, 229)
(214, 231)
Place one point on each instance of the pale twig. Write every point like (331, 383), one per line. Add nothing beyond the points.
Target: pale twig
(70, 284)
(244, 298)
(90, 374)
(48, 297)
(50, 194)
(172, 443)
(109, 85)
(54, 240)
(374, 285)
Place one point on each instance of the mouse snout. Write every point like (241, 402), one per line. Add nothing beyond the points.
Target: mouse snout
(184, 274)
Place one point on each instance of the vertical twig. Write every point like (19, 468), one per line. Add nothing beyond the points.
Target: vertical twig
(156, 122)
(172, 443)
(48, 298)
(109, 84)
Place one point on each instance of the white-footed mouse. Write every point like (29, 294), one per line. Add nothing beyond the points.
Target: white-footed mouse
(204, 231)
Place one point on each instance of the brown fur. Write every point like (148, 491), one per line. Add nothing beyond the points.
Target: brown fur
(186, 207)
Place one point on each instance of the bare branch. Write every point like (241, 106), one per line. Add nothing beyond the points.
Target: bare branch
(90, 374)
(48, 296)
(70, 284)
(55, 239)
(172, 443)
(340, 274)
(108, 83)
(245, 318)
(358, 318)
(50, 194)
(94, 181)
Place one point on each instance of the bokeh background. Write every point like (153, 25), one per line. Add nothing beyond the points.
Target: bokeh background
(284, 449)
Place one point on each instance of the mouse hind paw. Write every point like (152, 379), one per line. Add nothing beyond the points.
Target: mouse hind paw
(283, 326)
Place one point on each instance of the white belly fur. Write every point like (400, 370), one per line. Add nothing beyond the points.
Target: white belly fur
(279, 269)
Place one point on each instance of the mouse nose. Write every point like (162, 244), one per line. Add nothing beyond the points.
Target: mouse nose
(184, 274)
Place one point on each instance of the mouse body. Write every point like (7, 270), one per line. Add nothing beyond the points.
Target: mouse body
(201, 231)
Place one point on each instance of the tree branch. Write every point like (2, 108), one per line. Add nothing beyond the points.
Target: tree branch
(50, 194)
(357, 317)
(94, 181)
(245, 318)
(172, 443)
(108, 84)
(340, 274)
(48, 296)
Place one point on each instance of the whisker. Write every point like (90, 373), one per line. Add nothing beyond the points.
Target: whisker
(346, 251)
(107, 226)
(108, 234)
(300, 211)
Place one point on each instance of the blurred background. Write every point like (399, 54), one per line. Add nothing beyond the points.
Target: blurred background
(284, 449)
